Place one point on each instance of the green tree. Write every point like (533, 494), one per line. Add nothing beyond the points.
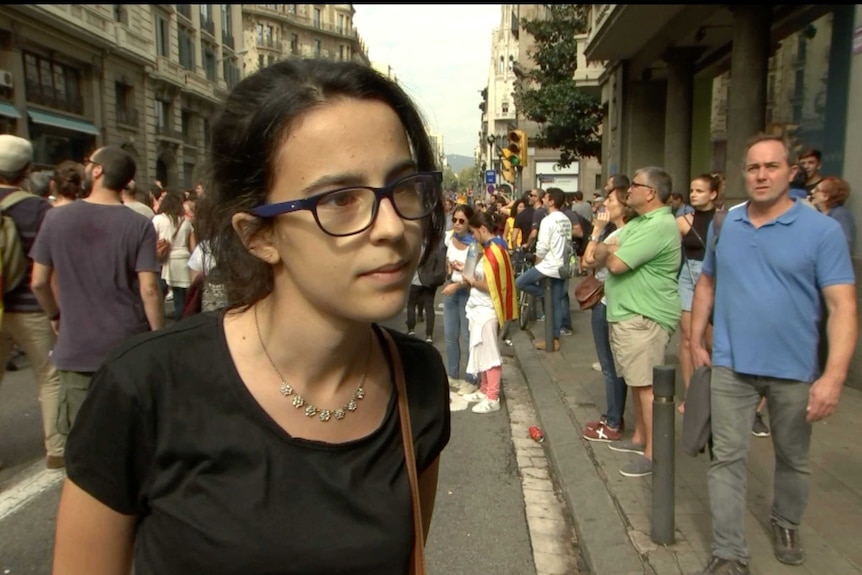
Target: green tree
(450, 180)
(568, 118)
(468, 177)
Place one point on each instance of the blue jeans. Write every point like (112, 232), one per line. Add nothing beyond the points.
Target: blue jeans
(615, 386)
(531, 282)
(456, 330)
(567, 307)
(734, 398)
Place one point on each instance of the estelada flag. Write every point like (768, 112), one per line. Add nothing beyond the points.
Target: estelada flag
(501, 280)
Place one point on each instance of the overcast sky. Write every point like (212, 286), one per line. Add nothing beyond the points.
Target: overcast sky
(441, 55)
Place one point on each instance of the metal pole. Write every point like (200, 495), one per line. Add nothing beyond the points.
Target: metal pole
(549, 316)
(663, 422)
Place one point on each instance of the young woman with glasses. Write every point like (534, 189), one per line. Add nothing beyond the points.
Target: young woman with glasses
(241, 441)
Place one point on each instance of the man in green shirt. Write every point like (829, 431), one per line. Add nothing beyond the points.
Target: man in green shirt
(643, 301)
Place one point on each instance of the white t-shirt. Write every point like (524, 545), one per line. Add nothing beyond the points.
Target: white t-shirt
(602, 274)
(555, 231)
(454, 254)
(201, 259)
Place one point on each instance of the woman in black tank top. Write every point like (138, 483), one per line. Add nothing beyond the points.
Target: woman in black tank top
(693, 227)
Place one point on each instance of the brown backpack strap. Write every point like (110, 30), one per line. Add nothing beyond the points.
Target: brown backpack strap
(409, 456)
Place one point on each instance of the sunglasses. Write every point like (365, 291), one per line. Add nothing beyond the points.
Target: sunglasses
(459, 221)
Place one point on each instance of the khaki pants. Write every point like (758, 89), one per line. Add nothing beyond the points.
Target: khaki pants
(74, 386)
(33, 334)
(638, 345)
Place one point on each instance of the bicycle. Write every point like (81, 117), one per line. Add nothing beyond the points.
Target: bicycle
(521, 262)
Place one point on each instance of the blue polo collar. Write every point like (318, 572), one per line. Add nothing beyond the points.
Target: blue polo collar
(740, 212)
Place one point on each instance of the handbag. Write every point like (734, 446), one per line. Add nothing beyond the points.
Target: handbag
(589, 292)
(418, 561)
(194, 297)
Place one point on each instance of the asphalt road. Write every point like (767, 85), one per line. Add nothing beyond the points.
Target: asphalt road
(479, 525)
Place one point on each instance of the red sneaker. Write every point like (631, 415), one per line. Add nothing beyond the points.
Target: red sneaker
(603, 433)
(604, 421)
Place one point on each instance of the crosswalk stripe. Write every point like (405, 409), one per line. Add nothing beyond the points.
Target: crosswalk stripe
(36, 481)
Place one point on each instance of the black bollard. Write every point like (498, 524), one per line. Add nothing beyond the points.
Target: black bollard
(549, 316)
(663, 423)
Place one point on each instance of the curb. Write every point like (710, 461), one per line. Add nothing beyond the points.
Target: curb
(602, 534)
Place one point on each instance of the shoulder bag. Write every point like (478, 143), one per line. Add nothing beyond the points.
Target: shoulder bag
(418, 561)
(589, 292)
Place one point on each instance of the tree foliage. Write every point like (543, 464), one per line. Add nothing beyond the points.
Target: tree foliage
(450, 180)
(469, 177)
(568, 118)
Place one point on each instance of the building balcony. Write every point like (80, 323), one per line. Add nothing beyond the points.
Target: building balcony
(588, 72)
(84, 21)
(192, 141)
(168, 133)
(208, 26)
(227, 40)
(617, 31)
(128, 117)
(138, 47)
(169, 71)
(303, 21)
(185, 10)
(55, 100)
(268, 43)
(200, 86)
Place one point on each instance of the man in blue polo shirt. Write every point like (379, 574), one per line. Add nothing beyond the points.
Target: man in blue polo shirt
(767, 306)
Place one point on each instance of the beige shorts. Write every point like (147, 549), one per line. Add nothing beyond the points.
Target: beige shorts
(638, 345)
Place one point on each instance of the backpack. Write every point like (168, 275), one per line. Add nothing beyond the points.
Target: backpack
(433, 271)
(15, 262)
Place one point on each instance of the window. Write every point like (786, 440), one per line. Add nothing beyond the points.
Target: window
(341, 52)
(505, 107)
(260, 61)
(226, 20)
(294, 44)
(162, 35)
(188, 173)
(799, 84)
(210, 64)
(52, 84)
(599, 186)
(231, 73)
(501, 66)
(206, 13)
(206, 124)
(163, 115)
(187, 123)
(797, 112)
(270, 36)
(317, 17)
(317, 48)
(186, 44)
(270, 60)
(341, 23)
(125, 101)
(120, 14)
(801, 48)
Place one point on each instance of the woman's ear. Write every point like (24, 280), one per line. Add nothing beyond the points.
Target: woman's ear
(256, 236)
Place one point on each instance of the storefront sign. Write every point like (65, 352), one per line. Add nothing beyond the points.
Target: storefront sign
(857, 40)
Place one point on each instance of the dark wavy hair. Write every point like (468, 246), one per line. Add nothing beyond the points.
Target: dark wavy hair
(172, 206)
(490, 222)
(247, 134)
(68, 177)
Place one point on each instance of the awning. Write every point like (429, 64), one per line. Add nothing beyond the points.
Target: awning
(57, 121)
(10, 111)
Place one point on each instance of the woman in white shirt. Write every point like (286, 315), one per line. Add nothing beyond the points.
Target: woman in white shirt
(172, 226)
(456, 292)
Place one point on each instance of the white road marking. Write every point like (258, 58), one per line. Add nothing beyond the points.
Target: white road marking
(35, 481)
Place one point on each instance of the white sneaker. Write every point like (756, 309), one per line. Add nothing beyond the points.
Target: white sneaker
(467, 388)
(597, 366)
(487, 406)
(474, 397)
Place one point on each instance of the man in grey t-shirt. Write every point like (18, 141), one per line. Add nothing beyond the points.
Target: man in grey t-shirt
(104, 256)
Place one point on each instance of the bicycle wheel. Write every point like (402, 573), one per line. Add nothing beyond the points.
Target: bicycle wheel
(524, 310)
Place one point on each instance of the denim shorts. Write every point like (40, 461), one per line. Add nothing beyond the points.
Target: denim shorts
(688, 277)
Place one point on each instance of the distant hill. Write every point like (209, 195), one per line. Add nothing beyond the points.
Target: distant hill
(458, 163)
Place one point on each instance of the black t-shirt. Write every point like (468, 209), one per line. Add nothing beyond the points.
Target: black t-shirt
(170, 433)
(524, 222)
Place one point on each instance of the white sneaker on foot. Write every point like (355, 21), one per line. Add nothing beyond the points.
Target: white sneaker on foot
(597, 366)
(474, 397)
(467, 388)
(487, 406)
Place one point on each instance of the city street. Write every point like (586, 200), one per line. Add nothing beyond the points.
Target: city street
(481, 522)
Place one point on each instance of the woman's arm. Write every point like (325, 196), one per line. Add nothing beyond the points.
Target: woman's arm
(92, 538)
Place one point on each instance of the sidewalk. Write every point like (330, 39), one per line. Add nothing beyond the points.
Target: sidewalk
(612, 512)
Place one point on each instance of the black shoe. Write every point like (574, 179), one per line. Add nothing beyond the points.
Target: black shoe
(720, 566)
(11, 366)
(786, 545)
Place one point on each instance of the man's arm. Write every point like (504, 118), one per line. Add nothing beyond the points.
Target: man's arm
(151, 295)
(603, 256)
(40, 283)
(701, 307)
(842, 328)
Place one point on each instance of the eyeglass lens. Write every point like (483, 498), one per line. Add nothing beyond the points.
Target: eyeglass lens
(352, 210)
(459, 221)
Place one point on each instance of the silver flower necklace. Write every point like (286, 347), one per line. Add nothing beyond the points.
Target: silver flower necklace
(299, 402)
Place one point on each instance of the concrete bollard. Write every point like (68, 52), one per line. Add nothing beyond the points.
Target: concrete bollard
(663, 424)
(549, 316)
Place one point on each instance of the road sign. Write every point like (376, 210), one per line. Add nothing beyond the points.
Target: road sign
(490, 177)
(490, 188)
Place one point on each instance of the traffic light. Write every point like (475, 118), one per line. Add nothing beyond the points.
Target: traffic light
(508, 165)
(518, 148)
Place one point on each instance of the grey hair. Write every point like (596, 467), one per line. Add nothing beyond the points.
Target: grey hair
(660, 180)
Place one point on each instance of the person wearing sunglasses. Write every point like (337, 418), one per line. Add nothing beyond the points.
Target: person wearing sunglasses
(456, 293)
(241, 440)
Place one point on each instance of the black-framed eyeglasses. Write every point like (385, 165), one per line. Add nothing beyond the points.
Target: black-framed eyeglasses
(352, 210)
(459, 221)
(88, 161)
(637, 185)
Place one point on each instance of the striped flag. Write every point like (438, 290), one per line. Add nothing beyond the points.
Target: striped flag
(501, 281)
